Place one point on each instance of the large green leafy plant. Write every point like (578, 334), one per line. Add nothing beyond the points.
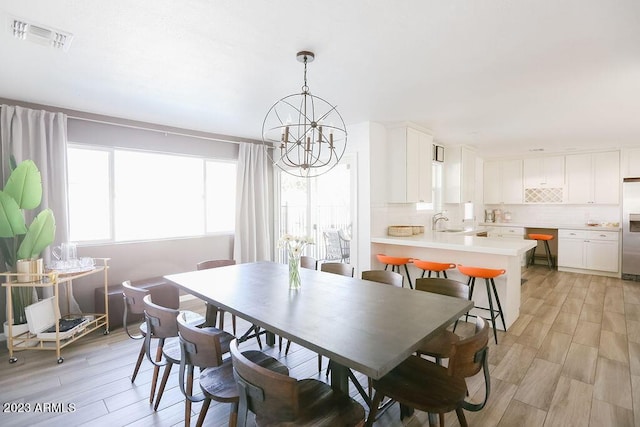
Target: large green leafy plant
(23, 191)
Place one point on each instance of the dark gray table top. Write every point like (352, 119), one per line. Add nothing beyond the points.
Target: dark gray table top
(366, 326)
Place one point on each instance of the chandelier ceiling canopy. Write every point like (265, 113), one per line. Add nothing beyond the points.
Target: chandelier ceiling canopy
(303, 134)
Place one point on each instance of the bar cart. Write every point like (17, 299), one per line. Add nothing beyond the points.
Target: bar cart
(54, 279)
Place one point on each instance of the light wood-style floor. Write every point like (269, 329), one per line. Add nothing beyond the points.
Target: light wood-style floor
(571, 359)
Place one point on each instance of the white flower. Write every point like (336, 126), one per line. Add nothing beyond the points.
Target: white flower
(294, 244)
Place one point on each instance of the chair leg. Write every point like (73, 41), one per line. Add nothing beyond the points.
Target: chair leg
(461, 418)
(377, 398)
(156, 371)
(187, 402)
(203, 412)
(471, 284)
(286, 350)
(138, 363)
(320, 363)
(441, 416)
(233, 415)
(221, 321)
(445, 274)
(163, 383)
(233, 323)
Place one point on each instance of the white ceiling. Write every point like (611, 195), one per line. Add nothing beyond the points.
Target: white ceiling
(505, 76)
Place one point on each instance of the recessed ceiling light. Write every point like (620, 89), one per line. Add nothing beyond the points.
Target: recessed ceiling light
(23, 30)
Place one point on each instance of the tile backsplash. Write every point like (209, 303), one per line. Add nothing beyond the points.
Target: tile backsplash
(561, 214)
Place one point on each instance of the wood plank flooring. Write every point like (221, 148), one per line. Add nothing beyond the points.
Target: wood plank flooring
(571, 359)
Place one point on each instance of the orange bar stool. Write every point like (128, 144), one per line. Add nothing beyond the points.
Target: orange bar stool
(395, 263)
(545, 238)
(488, 274)
(436, 267)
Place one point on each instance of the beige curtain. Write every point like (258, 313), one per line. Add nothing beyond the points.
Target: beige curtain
(253, 235)
(40, 136)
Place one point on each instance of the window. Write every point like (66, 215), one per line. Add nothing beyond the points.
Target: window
(127, 195)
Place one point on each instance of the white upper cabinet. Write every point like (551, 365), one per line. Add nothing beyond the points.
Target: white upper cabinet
(544, 172)
(460, 170)
(409, 157)
(593, 178)
(503, 182)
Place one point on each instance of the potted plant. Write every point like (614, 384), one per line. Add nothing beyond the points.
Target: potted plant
(23, 191)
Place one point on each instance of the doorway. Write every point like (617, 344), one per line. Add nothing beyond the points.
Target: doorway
(324, 205)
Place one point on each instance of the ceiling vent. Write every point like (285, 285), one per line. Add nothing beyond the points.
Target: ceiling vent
(40, 34)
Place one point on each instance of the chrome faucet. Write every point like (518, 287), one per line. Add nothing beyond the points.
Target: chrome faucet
(437, 217)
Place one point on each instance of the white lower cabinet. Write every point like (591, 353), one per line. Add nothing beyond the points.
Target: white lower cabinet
(588, 250)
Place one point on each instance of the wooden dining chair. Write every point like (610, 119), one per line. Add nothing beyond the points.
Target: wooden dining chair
(308, 262)
(441, 346)
(383, 276)
(337, 268)
(203, 348)
(426, 386)
(162, 324)
(133, 304)
(216, 312)
(278, 399)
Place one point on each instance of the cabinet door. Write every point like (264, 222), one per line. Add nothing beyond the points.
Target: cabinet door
(511, 182)
(571, 253)
(533, 176)
(468, 179)
(579, 178)
(606, 177)
(554, 171)
(452, 174)
(425, 159)
(413, 161)
(602, 255)
(492, 182)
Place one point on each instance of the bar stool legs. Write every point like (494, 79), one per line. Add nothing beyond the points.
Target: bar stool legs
(492, 293)
(545, 238)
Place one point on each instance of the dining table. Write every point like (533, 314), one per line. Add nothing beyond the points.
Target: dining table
(359, 325)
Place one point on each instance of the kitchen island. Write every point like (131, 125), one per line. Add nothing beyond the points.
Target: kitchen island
(467, 249)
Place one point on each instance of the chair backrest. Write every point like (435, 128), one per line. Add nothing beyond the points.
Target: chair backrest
(337, 268)
(383, 276)
(308, 262)
(262, 391)
(345, 243)
(214, 263)
(133, 303)
(133, 298)
(200, 346)
(468, 356)
(333, 249)
(442, 286)
(465, 361)
(162, 322)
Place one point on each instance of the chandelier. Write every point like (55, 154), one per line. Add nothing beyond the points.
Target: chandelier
(303, 134)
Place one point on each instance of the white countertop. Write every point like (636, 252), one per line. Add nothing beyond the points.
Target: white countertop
(461, 241)
(550, 226)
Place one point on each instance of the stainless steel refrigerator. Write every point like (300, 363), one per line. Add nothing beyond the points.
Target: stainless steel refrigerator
(631, 228)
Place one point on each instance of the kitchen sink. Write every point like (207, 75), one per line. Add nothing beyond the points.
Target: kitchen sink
(450, 230)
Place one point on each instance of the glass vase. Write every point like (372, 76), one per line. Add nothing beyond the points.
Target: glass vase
(294, 271)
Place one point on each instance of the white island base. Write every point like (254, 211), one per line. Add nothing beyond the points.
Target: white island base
(466, 250)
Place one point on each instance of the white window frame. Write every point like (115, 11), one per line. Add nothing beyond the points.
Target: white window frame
(112, 225)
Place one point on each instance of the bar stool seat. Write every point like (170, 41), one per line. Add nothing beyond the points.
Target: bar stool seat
(488, 274)
(395, 263)
(436, 267)
(545, 238)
